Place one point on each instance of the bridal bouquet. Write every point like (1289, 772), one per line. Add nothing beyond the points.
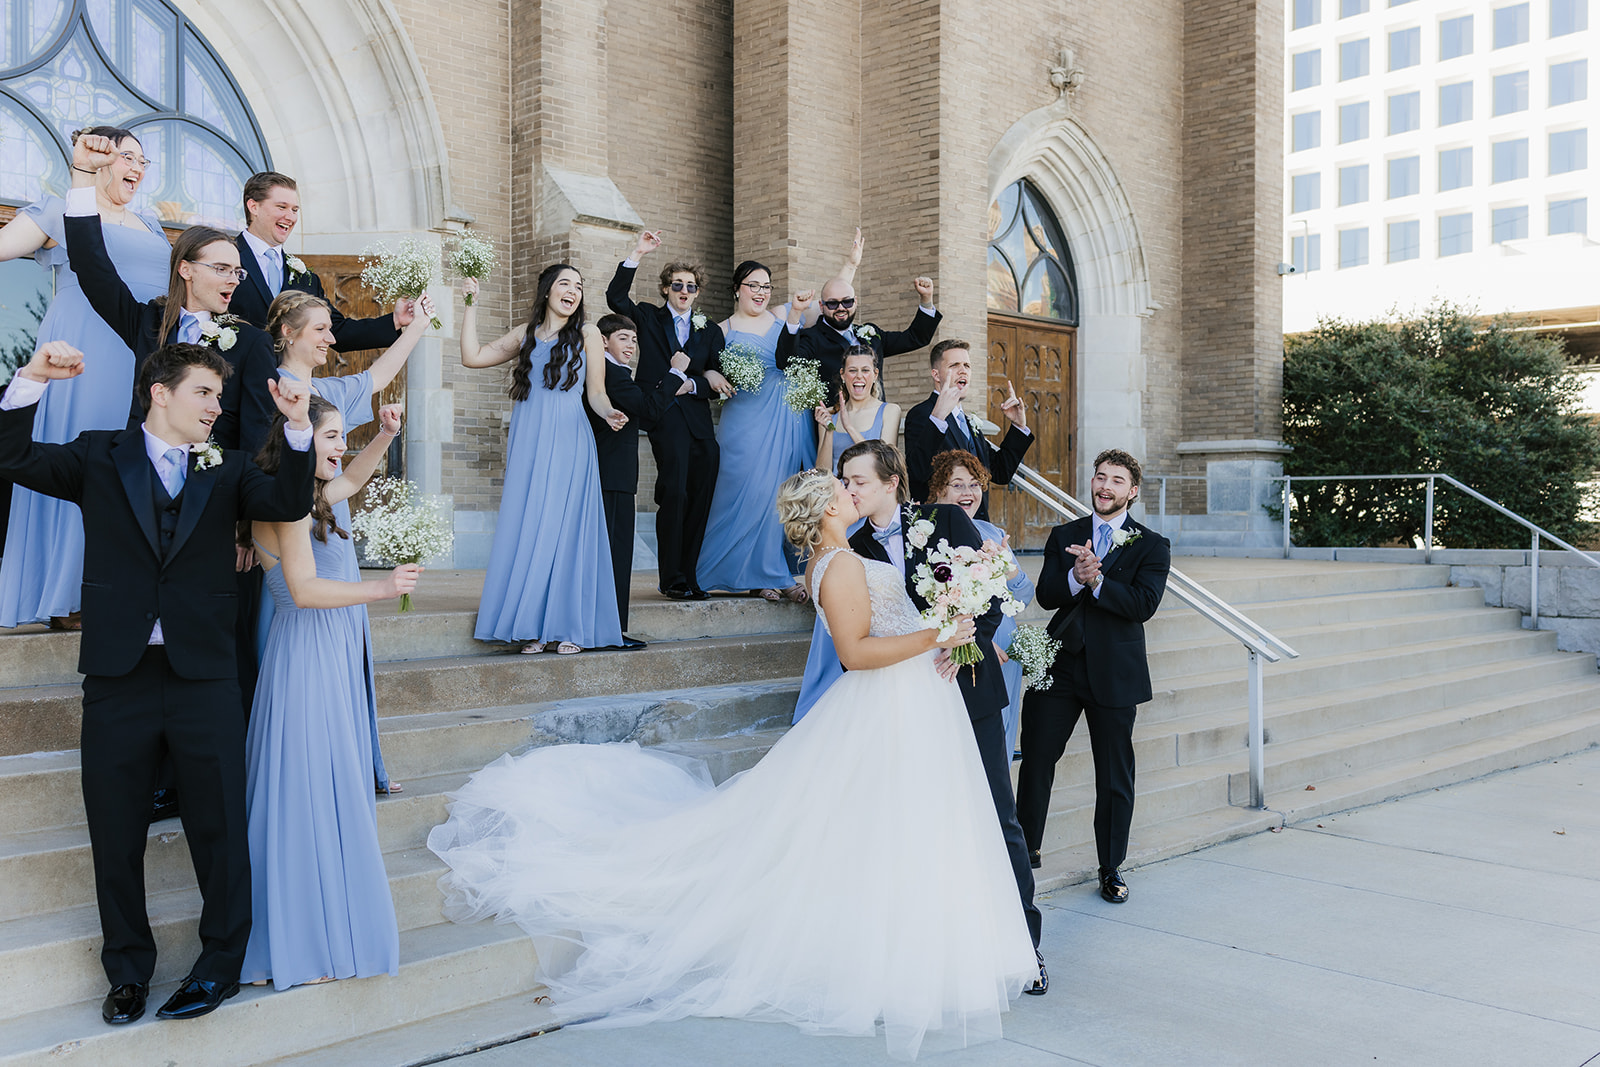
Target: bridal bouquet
(962, 581)
(742, 366)
(398, 527)
(406, 271)
(806, 390)
(1036, 650)
(472, 257)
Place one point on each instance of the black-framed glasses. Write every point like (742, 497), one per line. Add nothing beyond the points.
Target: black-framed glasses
(225, 270)
(758, 287)
(834, 305)
(685, 287)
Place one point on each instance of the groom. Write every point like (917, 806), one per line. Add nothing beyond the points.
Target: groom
(157, 656)
(876, 475)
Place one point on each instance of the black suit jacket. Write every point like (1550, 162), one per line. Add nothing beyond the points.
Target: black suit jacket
(827, 346)
(984, 694)
(658, 340)
(924, 441)
(1113, 623)
(127, 582)
(247, 407)
(254, 296)
(619, 449)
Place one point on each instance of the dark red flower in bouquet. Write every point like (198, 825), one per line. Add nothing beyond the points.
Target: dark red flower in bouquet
(943, 573)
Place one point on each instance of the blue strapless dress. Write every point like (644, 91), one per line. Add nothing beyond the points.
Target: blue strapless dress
(1021, 587)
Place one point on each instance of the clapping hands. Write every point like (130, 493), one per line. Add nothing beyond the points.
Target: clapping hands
(1087, 566)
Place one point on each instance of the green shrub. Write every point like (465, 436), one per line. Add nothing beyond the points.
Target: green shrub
(1444, 393)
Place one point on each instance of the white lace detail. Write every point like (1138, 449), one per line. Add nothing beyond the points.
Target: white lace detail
(893, 613)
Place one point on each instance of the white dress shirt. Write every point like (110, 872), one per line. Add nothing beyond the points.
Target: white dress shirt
(1094, 532)
(269, 256)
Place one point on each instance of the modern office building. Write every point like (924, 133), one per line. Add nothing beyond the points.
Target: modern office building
(1440, 148)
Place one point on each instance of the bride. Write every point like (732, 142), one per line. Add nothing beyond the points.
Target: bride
(855, 876)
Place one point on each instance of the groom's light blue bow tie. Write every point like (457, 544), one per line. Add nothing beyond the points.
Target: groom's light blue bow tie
(892, 530)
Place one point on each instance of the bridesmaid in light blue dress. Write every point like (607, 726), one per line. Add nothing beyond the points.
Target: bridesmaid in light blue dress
(41, 574)
(320, 902)
(549, 576)
(302, 331)
(763, 441)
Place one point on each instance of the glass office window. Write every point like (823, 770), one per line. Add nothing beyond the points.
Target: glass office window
(1509, 224)
(1568, 16)
(1307, 13)
(1308, 68)
(1353, 121)
(1405, 48)
(1347, 8)
(1569, 151)
(1305, 252)
(1405, 176)
(1306, 192)
(1511, 92)
(1569, 216)
(1353, 184)
(1405, 112)
(1569, 82)
(1405, 241)
(1455, 103)
(1306, 130)
(1455, 234)
(1455, 168)
(1353, 248)
(1510, 160)
(1455, 37)
(1510, 25)
(1355, 59)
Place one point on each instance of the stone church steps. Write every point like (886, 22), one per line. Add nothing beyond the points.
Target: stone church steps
(442, 1036)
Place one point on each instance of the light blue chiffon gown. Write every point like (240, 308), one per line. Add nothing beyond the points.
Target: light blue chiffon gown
(1021, 587)
(762, 441)
(41, 574)
(822, 662)
(319, 894)
(352, 395)
(549, 575)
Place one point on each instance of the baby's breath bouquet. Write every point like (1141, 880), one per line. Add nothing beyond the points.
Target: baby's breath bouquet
(406, 271)
(1036, 650)
(399, 527)
(805, 385)
(742, 366)
(472, 257)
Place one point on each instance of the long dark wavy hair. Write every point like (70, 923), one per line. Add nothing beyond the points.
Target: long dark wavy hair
(271, 455)
(568, 350)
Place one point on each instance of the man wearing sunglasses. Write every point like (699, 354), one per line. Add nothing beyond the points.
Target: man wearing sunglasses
(683, 438)
(837, 331)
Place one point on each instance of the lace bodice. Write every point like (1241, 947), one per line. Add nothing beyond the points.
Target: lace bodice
(893, 613)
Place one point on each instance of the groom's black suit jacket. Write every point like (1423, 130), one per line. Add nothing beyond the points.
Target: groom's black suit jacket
(127, 582)
(658, 340)
(984, 694)
(253, 297)
(247, 407)
(1112, 623)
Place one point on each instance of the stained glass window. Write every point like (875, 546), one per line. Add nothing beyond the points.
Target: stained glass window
(139, 64)
(1030, 267)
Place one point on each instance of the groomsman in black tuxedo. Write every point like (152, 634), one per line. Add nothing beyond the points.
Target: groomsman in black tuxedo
(271, 211)
(618, 450)
(683, 439)
(876, 476)
(1105, 574)
(940, 424)
(837, 331)
(157, 656)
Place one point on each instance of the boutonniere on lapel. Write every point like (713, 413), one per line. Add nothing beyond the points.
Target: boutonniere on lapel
(297, 267)
(206, 456)
(920, 529)
(866, 332)
(697, 321)
(221, 331)
(1120, 536)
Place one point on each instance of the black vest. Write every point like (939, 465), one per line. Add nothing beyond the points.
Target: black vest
(167, 510)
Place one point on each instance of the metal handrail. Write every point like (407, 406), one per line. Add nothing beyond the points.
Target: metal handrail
(1259, 642)
(1427, 520)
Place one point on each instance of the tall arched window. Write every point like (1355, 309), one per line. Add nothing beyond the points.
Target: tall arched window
(1030, 267)
(139, 64)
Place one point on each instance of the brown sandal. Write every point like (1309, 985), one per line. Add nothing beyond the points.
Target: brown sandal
(796, 594)
(769, 594)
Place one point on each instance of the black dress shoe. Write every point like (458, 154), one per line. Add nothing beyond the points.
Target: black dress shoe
(1035, 860)
(676, 592)
(196, 997)
(1112, 887)
(125, 1003)
(164, 805)
(696, 593)
(1041, 984)
(630, 643)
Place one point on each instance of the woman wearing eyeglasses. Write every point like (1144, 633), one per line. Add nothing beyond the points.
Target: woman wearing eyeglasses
(41, 574)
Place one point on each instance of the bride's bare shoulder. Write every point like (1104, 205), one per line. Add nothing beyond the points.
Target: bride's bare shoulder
(836, 561)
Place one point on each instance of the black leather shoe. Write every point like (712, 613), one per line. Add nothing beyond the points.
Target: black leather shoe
(196, 997)
(630, 643)
(1041, 984)
(696, 593)
(1035, 860)
(125, 1003)
(676, 592)
(164, 805)
(1112, 888)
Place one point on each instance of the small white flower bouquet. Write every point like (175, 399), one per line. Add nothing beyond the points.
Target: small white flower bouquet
(406, 271)
(806, 390)
(472, 257)
(1036, 650)
(962, 581)
(398, 527)
(742, 366)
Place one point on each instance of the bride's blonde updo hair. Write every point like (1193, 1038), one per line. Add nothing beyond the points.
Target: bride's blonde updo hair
(803, 500)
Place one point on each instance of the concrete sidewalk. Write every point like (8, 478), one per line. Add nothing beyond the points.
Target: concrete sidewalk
(1457, 927)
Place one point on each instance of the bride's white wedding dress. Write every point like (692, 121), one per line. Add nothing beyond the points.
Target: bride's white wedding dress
(856, 875)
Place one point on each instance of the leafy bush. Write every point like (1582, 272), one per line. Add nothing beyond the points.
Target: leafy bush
(1444, 393)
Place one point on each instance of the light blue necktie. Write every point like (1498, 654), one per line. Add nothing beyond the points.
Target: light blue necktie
(1102, 539)
(275, 271)
(173, 470)
(683, 329)
(188, 329)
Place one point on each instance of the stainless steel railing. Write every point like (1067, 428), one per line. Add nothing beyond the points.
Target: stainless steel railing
(1260, 643)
